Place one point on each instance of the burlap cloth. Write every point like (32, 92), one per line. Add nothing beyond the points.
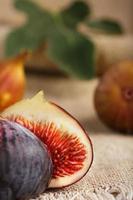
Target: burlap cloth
(111, 175)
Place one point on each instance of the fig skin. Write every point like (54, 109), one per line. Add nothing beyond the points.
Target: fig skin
(25, 164)
(68, 143)
(113, 97)
(12, 80)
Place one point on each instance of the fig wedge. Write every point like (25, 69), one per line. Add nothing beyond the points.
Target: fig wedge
(68, 143)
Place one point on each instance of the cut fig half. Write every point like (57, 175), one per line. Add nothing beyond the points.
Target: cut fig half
(69, 145)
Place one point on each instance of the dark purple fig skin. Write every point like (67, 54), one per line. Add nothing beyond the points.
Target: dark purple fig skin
(25, 164)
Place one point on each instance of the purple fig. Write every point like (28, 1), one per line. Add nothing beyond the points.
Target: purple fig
(25, 163)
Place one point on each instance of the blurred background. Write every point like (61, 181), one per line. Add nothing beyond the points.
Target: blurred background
(80, 53)
(70, 42)
(112, 42)
(120, 10)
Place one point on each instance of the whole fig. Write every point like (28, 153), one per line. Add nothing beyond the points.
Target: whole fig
(12, 89)
(25, 163)
(114, 97)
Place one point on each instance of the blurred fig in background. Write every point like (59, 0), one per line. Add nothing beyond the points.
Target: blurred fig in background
(114, 97)
(12, 80)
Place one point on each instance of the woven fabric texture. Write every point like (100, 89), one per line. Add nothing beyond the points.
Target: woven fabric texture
(111, 175)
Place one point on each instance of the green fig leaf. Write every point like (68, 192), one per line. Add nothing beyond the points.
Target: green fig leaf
(106, 25)
(77, 12)
(73, 52)
(33, 33)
